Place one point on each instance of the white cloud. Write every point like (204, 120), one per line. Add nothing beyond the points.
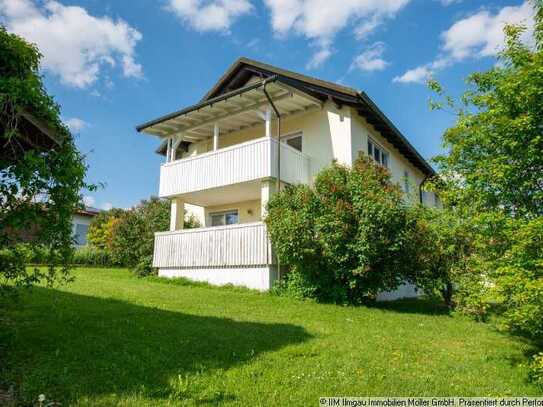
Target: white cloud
(416, 75)
(319, 57)
(320, 20)
(76, 46)
(88, 200)
(210, 15)
(482, 34)
(371, 59)
(106, 206)
(449, 2)
(479, 35)
(75, 124)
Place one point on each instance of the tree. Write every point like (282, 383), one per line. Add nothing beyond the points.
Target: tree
(494, 159)
(102, 228)
(345, 239)
(133, 234)
(493, 177)
(39, 187)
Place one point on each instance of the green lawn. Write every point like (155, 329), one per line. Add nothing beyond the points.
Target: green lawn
(112, 339)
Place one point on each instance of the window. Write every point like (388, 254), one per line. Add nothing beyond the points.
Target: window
(81, 234)
(379, 155)
(294, 140)
(224, 218)
(406, 182)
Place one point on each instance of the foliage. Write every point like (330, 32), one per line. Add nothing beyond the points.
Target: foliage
(91, 256)
(39, 190)
(102, 227)
(492, 176)
(133, 231)
(346, 237)
(97, 340)
(442, 243)
(536, 369)
(494, 160)
(518, 278)
(133, 237)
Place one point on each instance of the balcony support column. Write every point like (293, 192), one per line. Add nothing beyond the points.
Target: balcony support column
(177, 214)
(268, 122)
(216, 137)
(175, 145)
(267, 189)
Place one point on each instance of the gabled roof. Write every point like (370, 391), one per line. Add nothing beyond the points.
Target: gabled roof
(241, 71)
(241, 76)
(244, 68)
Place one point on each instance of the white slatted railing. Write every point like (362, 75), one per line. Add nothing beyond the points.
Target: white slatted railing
(246, 244)
(244, 162)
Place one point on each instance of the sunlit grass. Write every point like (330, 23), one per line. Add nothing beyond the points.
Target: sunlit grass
(112, 339)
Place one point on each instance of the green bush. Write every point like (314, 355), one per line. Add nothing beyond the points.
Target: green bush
(536, 369)
(145, 267)
(345, 239)
(90, 256)
(133, 233)
(518, 281)
(442, 241)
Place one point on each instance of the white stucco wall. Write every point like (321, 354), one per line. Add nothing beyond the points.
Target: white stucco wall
(258, 278)
(398, 164)
(248, 211)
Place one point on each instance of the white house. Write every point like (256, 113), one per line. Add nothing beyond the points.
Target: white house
(81, 221)
(259, 127)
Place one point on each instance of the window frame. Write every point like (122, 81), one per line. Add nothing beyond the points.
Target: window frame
(383, 153)
(406, 182)
(298, 133)
(81, 239)
(223, 214)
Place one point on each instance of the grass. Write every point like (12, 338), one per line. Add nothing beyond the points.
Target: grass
(112, 339)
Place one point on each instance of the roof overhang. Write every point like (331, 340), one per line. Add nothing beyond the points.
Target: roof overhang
(232, 111)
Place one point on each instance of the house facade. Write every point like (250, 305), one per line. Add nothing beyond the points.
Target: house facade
(258, 129)
(81, 221)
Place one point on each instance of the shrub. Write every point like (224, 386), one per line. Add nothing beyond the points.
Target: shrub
(144, 267)
(518, 281)
(91, 256)
(102, 228)
(133, 233)
(536, 369)
(442, 242)
(345, 239)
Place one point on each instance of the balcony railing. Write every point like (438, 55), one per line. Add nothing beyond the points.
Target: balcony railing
(244, 162)
(246, 244)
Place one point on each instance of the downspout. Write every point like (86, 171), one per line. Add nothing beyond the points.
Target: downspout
(278, 187)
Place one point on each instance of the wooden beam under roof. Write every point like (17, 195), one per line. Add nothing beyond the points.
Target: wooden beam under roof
(253, 106)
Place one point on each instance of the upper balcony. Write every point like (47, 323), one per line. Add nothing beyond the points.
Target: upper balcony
(217, 124)
(249, 161)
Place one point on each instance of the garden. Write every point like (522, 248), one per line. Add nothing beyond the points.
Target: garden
(115, 333)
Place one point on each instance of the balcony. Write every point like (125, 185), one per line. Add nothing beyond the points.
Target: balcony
(234, 245)
(249, 161)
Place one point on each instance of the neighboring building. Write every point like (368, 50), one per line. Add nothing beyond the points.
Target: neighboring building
(81, 221)
(223, 161)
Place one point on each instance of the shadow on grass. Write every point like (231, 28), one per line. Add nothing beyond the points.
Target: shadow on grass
(412, 306)
(70, 346)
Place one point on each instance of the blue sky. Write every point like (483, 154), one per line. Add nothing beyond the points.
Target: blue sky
(115, 64)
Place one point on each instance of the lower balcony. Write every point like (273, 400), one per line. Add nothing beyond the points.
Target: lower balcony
(241, 245)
